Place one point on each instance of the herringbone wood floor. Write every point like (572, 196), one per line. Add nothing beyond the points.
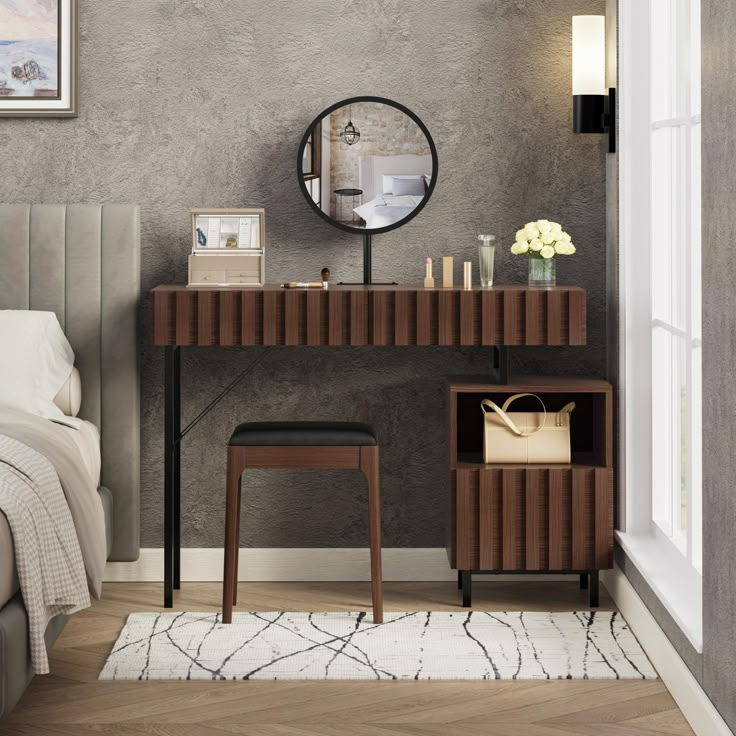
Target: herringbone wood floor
(72, 702)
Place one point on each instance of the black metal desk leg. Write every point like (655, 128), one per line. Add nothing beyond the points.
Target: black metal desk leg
(171, 467)
(584, 581)
(177, 468)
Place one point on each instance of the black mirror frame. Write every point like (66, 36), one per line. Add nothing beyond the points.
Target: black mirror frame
(362, 230)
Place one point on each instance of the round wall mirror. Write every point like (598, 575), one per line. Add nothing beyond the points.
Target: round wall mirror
(367, 165)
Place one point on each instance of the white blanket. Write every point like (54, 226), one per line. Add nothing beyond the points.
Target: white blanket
(49, 560)
(386, 209)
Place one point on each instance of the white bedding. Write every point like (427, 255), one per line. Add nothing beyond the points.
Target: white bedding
(87, 440)
(387, 210)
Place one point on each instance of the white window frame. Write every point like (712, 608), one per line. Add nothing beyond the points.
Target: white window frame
(671, 567)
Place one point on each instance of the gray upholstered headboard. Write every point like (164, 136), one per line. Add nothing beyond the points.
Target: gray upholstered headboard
(83, 262)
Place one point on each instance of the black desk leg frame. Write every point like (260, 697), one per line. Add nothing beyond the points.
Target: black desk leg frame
(172, 473)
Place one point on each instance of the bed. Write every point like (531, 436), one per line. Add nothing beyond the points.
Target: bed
(381, 206)
(82, 263)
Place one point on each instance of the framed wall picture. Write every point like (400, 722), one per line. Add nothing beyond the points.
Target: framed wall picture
(39, 58)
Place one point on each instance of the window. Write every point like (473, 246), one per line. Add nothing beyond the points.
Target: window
(312, 164)
(660, 174)
(675, 273)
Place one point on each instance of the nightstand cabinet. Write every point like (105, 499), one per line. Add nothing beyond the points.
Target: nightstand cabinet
(508, 518)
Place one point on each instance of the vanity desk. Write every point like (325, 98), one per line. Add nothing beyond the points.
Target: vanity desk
(500, 317)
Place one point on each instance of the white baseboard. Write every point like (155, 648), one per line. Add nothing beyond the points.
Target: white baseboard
(292, 565)
(692, 700)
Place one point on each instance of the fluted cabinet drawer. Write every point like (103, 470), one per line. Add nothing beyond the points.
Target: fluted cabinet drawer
(532, 518)
(362, 315)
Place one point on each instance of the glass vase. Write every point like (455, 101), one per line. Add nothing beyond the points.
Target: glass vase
(542, 272)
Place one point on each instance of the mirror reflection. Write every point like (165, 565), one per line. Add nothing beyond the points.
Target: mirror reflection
(366, 165)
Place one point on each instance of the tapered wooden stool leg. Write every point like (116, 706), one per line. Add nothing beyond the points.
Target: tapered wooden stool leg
(237, 537)
(370, 467)
(231, 538)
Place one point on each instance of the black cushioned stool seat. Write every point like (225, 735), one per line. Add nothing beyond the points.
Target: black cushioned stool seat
(303, 434)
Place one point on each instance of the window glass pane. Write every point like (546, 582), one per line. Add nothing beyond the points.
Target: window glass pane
(696, 229)
(695, 63)
(680, 486)
(662, 56)
(696, 459)
(664, 227)
(665, 428)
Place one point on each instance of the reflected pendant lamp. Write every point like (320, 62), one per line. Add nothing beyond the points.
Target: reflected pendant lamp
(350, 134)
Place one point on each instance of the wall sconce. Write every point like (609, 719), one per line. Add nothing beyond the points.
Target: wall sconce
(594, 106)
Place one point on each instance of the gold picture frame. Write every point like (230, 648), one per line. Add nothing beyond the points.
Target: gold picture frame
(39, 77)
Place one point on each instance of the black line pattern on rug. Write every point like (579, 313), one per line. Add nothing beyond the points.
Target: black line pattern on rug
(516, 640)
(589, 640)
(156, 633)
(326, 645)
(496, 672)
(248, 641)
(618, 644)
(149, 644)
(532, 645)
(421, 646)
(368, 663)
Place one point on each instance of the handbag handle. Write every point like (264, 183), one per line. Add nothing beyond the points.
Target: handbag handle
(501, 411)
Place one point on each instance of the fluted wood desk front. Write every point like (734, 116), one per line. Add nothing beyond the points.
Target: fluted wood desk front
(501, 316)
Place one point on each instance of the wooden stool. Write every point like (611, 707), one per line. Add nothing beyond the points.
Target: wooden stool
(306, 445)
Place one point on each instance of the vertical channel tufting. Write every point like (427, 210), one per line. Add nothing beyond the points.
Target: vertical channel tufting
(46, 260)
(83, 281)
(119, 392)
(15, 240)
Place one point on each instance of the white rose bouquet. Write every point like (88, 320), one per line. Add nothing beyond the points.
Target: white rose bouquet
(542, 239)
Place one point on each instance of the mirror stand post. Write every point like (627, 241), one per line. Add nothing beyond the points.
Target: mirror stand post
(367, 255)
(367, 265)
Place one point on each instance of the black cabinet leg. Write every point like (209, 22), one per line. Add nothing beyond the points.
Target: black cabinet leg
(467, 583)
(594, 597)
(459, 579)
(584, 581)
(171, 467)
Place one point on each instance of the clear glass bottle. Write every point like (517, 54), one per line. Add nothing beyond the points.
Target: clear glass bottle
(486, 256)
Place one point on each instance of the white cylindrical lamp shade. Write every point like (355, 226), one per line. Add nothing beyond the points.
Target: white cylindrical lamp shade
(589, 55)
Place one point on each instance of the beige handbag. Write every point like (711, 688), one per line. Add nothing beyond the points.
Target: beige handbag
(525, 437)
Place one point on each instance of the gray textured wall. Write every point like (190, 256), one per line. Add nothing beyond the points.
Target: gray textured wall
(187, 103)
(715, 668)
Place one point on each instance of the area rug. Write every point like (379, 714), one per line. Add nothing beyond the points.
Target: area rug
(465, 645)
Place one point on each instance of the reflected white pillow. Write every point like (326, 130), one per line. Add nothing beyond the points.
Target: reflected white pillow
(36, 361)
(414, 187)
(388, 181)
